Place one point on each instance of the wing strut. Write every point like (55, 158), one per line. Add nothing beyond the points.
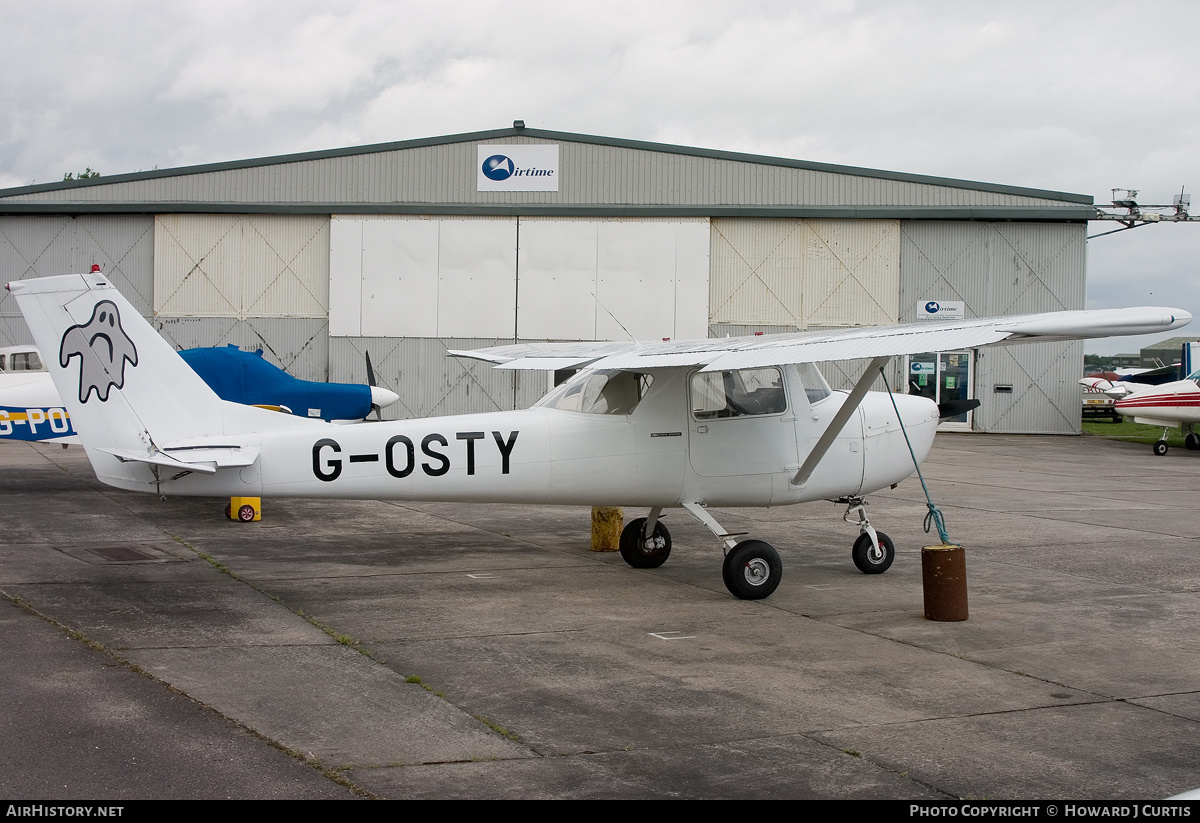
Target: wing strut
(849, 407)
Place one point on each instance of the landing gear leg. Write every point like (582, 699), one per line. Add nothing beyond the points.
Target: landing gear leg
(752, 569)
(873, 551)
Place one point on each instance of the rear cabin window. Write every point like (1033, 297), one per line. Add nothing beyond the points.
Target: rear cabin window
(737, 393)
(24, 361)
(606, 391)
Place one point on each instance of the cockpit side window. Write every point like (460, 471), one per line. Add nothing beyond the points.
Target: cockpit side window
(605, 391)
(742, 393)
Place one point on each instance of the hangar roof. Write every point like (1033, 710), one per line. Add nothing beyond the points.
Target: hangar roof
(599, 176)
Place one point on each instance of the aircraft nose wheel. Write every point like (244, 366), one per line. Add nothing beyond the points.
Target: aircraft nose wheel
(752, 570)
(868, 559)
(1160, 448)
(645, 552)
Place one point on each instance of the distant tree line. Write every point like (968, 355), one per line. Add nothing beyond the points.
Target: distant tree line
(86, 174)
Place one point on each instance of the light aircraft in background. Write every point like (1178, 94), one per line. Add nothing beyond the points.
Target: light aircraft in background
(31, 409)
(1174, 403)
(675, 424)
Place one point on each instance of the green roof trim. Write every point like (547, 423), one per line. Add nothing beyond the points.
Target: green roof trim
(557, 136)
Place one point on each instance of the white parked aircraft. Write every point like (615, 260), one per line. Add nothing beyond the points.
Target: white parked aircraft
(1170, 405)
(1163, 401)
(688, 424)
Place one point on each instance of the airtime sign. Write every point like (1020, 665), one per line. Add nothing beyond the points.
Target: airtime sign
(517, 167)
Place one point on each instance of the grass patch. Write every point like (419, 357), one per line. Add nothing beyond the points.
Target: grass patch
(1132, 432)
(497, 728)
(414, 678)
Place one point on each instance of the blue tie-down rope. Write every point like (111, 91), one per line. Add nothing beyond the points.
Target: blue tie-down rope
(934, 517)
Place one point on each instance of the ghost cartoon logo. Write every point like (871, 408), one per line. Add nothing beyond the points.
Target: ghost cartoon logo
(103, 348)
(498, 167)
(932, 307)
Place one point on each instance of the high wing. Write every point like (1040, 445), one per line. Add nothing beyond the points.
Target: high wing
(732, 353)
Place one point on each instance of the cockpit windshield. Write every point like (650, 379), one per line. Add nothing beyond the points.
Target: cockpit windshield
(815, 386)
(603, 391)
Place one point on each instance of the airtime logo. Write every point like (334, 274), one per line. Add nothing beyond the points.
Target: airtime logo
(499, 167)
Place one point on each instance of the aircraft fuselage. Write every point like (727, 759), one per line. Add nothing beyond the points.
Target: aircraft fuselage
(663, 453)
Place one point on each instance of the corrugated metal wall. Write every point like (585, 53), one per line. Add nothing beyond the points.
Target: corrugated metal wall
(998, 269)
(123, 246)
(590, 173)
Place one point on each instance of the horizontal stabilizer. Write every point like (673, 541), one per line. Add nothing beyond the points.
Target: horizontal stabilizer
(206, 459)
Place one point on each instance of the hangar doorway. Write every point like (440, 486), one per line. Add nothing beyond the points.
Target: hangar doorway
(942, 377)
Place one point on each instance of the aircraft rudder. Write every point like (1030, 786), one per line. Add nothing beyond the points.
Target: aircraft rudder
(121, 382)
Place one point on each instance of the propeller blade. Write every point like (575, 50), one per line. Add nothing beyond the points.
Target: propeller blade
(370, 371)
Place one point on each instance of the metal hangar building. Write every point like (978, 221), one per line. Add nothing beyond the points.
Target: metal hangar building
(406, 249)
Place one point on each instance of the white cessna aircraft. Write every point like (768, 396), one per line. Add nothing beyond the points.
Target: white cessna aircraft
(688, 424)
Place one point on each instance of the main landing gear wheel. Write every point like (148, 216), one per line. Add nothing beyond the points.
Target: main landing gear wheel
(1160, 448)
(752, 570)
(246, 513)
(648, 552)
(870, 561)
(1192, 441)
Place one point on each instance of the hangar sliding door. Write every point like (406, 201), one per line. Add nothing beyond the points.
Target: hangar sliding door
(254, 281)
(406, 288)
(527, 278)
(803, 274)
(612, 279)
(214, 265)
(782, 275)
(1000, 269)
(34, 246)
(422, 277)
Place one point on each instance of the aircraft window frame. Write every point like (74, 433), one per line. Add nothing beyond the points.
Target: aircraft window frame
(741, 393)
(608, 392)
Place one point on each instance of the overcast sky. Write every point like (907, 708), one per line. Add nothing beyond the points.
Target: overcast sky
(1069, 96)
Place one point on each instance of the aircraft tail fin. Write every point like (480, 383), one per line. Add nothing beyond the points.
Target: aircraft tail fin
(134, 402)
